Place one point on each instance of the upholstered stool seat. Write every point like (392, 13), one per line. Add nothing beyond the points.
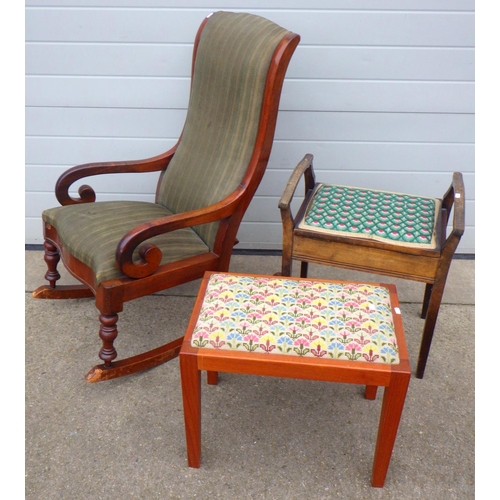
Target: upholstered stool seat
(297, 328)
(379, 215)
(347, 321)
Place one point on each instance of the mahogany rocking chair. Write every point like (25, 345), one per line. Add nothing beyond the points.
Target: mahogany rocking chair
(379, 232)
(122, 250)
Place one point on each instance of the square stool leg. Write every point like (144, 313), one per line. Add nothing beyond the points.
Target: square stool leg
(371, 392)
(191, 398)
(390, 415)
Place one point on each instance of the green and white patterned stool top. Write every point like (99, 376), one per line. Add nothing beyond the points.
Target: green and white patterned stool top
(350, 322)
(380, 215)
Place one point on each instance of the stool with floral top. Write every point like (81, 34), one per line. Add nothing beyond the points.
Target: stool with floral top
(297, 328)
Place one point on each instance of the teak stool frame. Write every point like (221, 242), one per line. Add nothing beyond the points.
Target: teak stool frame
(395, 378)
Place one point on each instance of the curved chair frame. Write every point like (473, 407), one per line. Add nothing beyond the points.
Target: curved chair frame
(147, 276)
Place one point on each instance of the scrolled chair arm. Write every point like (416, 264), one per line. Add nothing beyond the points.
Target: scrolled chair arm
(151, 255)
(86, 193)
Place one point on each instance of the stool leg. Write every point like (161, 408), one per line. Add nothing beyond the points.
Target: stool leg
(429, 325)
(191, 398)
(425, 303)
(286, 257)
(392, 408)
(304, 266)
(371, 391)
(212, 378)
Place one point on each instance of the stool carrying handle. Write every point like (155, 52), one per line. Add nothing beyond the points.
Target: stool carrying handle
(304, 167)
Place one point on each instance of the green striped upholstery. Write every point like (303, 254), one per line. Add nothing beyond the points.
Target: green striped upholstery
(232, 61)
(91, 232)
(217, 142)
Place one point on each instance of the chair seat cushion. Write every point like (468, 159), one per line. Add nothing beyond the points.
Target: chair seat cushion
(92, 231)
(379, 215)
(351, 322)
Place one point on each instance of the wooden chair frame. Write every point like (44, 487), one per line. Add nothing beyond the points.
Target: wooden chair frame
(394, 378)
(430, 266)
(148, 276)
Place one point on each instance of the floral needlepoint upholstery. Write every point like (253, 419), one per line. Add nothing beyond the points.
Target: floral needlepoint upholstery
(281, 315)
(380, 215)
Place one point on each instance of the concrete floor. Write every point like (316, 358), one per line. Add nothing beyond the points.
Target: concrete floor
(263, 438)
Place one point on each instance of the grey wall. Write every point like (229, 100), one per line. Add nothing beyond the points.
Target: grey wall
(380, 91)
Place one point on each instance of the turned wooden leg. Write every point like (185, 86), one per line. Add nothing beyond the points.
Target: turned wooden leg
(392, 408)
(429, 326)
(371, 391)
(51, 258)
(108, 332)
(191, 397)
(50, 291)
(427, 296)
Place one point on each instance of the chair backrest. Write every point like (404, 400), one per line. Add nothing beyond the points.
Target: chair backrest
(232, 56)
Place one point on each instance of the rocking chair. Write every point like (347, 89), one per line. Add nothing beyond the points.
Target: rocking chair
(122, 250)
